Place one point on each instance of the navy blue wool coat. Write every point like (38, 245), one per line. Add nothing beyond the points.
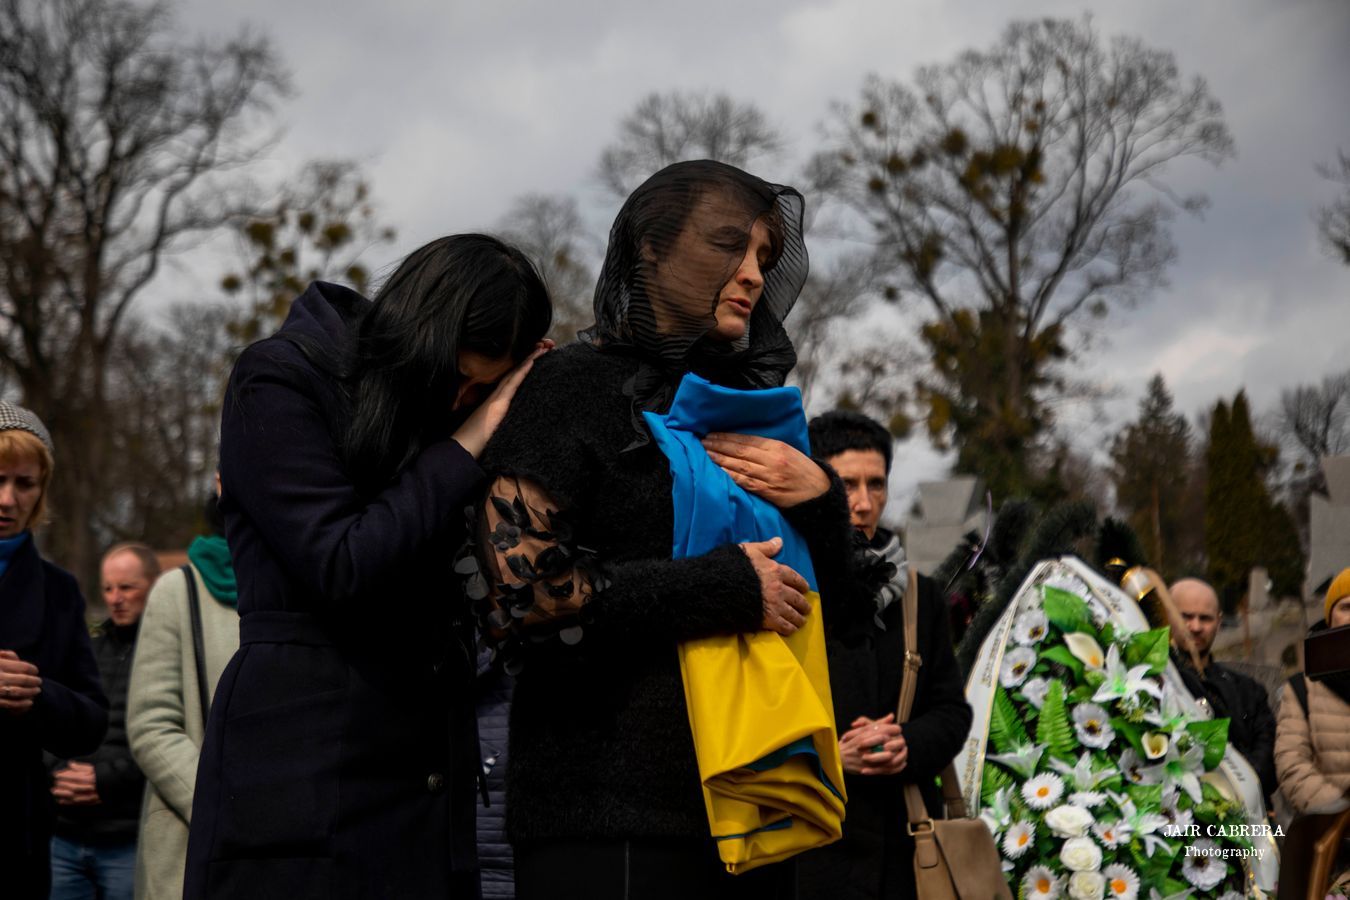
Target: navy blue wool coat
(42, 620)
(340, 754)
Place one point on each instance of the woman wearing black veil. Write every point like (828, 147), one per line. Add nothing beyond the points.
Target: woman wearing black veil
(603, 790)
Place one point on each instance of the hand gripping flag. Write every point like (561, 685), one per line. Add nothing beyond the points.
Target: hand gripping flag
(759, 703)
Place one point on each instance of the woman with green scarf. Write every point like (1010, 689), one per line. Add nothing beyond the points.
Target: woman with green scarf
(165, 718)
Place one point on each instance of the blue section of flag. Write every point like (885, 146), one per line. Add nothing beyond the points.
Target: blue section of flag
(710, 508)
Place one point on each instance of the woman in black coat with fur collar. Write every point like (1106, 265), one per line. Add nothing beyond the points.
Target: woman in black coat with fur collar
(340, 754)
(50, 698)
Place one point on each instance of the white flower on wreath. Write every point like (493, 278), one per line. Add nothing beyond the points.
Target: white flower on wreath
(1043, 791)
(1179, 895)
(1030, 627)
(1204, 871)
(1113, 834)
(1131, 767)
(1122, 683)
(1069, 821)
(1092, 724)
(1041, 884)
(1141, 824)
(1018, 840)
(1087, 799)
(998, 815)
(1035, 690)
(1178, 819)
(1081, 774)
(1182, 769)
(1017, 665)
(1231, 895)
(1087, 885)
(1122, 882)
(1085, 649)
(1172, 714)
(1155, 744)
(1081, 854)
(1023, 759)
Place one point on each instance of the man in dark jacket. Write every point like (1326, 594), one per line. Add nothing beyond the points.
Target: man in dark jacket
(1251, 725)
(98, 796)
(874, 858)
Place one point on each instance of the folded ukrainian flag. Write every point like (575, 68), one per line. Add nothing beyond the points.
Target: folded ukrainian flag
(759, 704)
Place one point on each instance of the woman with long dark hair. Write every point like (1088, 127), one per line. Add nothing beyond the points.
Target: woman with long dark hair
(581, 587)
(340, 755)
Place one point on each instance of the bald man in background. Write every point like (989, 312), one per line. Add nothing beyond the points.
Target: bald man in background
(1242, 700)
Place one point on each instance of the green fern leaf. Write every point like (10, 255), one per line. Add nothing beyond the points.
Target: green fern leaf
(993, 781)
(1052, 726)
(1005, 726)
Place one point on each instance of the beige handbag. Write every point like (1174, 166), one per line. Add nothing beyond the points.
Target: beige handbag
(954, 858)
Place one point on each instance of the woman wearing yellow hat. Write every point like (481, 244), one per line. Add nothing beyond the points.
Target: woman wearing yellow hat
(1312, 742)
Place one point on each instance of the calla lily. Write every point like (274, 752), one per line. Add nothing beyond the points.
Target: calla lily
(1023, 760)
(1085, 649)
(1155, 744)
(1220, 784)
(1122, 683)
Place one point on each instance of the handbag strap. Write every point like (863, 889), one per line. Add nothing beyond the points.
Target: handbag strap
(909, 684)
(198, 649)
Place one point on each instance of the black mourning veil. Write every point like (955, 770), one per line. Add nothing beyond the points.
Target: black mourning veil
(678, 239)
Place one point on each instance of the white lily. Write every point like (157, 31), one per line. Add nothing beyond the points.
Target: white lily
(1172, 715)
(1022, 760)
(1081, 775)
(1141, 824)
(1182, 769)
(1179, 895)
(998, 815)
(1122, 683)
(1085, 649)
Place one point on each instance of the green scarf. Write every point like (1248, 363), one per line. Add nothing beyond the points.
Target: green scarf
(211, 556)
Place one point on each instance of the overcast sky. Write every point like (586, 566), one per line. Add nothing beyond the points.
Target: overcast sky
(456, 108)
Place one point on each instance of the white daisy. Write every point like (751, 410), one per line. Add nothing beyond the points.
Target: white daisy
(1121, 882)
(1043, 791)
(1203, 871)
(1093, 726)
(1030, 627)
(1113, 834)
(1035, 690)
(1018, 839)
(1017, 665)
(1041, 884)
(1087, 799)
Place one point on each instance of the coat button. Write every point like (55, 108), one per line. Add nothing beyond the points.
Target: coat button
(435, 782)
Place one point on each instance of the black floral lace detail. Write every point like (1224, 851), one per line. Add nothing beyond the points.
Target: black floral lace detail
(527, 579)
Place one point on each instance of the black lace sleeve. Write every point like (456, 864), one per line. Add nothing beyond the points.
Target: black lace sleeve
(532, 582)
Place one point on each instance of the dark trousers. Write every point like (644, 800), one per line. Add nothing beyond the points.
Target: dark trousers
(643, 870)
